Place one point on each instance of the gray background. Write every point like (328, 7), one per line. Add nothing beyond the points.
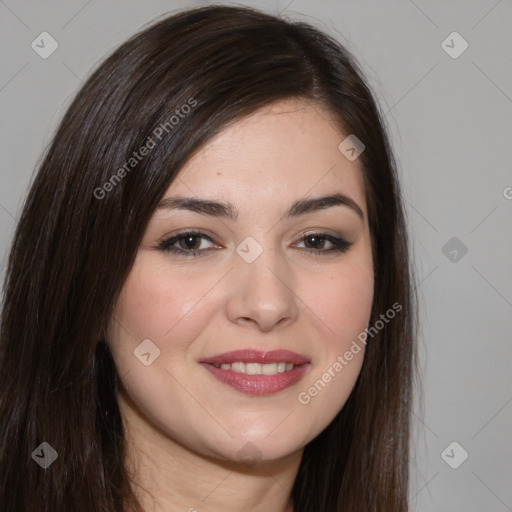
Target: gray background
(451, 126)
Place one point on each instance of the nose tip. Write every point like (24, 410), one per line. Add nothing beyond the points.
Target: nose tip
(260, 295)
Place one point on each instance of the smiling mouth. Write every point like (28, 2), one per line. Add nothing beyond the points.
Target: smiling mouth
(257, 368)
(255, 372)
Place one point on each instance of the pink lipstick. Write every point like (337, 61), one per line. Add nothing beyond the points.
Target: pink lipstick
(258, 373)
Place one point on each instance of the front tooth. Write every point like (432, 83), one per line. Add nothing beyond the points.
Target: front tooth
(258, 368)
(238, 367)
(269, 369)
(253, 368)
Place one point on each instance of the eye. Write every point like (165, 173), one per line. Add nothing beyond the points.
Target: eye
(319, 239)
(188, 244)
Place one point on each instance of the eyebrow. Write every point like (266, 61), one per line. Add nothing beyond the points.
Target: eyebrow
(228, 210)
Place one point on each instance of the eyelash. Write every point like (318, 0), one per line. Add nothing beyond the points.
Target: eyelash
(166, 245)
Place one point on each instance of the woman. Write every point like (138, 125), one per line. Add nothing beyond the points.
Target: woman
(209, 300)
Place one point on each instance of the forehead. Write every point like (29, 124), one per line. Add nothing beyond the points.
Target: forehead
(286, 150)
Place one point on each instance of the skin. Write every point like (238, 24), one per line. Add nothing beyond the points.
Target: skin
(184, 428)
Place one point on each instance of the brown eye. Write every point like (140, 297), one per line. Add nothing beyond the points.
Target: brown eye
(185, 244)
(315, 243)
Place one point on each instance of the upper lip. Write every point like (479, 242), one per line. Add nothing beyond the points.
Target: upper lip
(257, 356)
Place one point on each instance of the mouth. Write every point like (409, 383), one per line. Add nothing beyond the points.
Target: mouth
(258, 373)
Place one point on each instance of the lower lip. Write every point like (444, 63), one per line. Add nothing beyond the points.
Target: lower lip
(259, 385)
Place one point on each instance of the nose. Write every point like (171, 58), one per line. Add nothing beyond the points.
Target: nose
(262, 292)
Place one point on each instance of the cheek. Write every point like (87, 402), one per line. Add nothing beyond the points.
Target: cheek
(157, 304)
(343, 302)
(171, 311)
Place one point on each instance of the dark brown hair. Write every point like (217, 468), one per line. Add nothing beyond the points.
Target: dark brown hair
(73, 250)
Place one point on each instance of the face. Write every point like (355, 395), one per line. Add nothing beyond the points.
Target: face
(234, 329)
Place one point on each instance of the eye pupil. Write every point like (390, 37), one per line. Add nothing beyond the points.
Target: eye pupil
(315, 239)
(189, 240)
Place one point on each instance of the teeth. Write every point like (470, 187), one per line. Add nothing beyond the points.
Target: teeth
(268, 369)
(254, 368)
(257, 368)
(238, 367)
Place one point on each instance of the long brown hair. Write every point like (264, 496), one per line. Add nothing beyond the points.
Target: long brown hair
(77, 238)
